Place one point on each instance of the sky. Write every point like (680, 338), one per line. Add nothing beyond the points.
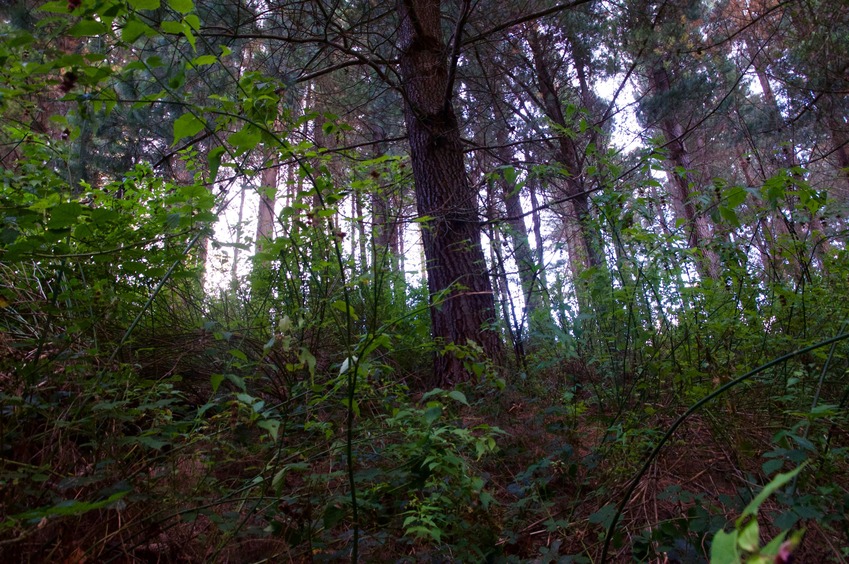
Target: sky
(228, 231)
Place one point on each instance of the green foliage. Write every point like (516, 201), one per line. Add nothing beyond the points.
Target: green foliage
(445, 494)
(743, 543)
(143, 418)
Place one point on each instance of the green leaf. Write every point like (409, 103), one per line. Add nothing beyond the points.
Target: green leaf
(134, 29)
(237, 381)
(723, 549)
(9, 235)
(245, 139)
(177, 80)
(277, 480)
(64, 215)
(62, 509)
(189, 36)
(155, 444)
(215, 380)
(171, 26)
(420, 531)
(510, 175)
(749, 537)
(85, 28)
(332, 516)
(431, 393)
(247, 399)
(344, 308)
(603, 516)
(306, 357)
(771, 466)
(457, 395)
(773, 546)
(193, 22)
(187, 125)
(214, 159)
(182, 6)
(735, 196)
(54, 7)
(432, 414)
(347, 364)
(773, 486)
(354, 406)
(144, 4)
(729, 215)
(236, 353)
(204, 60)
(272, 426)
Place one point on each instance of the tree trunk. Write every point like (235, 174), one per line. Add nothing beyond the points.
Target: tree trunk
(388, 254)
(267, 200)
(679, 164)
(590, 245)
(234, 268)
(538, 315)
(462, 303)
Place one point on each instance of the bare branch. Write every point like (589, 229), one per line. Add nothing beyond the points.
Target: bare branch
(526, 18)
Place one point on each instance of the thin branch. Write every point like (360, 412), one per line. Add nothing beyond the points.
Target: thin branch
(526, 18)
(333, 68)
(455, 52)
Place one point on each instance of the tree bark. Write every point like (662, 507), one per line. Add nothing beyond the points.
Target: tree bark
(537, 312)
(589, 247)
(267, 200)
(679, 163)
(462, 303)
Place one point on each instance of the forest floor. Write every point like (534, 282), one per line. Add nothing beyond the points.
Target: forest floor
(214, 487)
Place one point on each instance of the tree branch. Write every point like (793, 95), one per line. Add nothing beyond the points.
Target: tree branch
(526, 18)
(455, 51)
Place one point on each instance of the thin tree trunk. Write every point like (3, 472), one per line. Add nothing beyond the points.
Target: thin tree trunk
(679, 165)
(360, 224)
(590, 245)
(538, 316)
(785, 158)
(499, 280)
(234, 268)
(267, 201)
(536, 219)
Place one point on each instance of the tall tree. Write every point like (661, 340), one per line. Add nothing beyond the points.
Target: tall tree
(463, 306)
(589, 247)
(497, 143)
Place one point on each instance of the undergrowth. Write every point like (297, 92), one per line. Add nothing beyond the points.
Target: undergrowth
(207, 443)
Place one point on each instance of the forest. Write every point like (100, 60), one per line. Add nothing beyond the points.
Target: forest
(424, 281)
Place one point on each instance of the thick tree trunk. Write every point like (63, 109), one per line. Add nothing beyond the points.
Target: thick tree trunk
(266, 218)
(834, 109)
(460, 290)
(840, 140)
